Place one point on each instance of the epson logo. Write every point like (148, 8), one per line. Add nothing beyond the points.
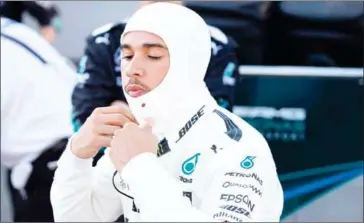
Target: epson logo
(238, 198)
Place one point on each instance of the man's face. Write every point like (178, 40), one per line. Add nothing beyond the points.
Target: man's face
(144, 62)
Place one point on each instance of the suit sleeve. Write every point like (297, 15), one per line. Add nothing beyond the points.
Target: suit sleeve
(239, 185)
(82, 193)
(222, 73)
(97, 85)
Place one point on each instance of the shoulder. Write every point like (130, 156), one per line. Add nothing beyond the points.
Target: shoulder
(17, 30)
(104, 42)
(106, 34)
(108, 28)
(222, 45)
(219, 37)
(238, 135)
(25, 41)
(250, 152)
(252, 140)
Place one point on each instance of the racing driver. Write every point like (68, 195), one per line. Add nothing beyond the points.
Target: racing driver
(211, 165)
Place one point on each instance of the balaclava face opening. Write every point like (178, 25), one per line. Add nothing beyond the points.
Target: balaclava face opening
(188, 41)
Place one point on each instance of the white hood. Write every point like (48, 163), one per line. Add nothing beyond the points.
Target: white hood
(183, 91)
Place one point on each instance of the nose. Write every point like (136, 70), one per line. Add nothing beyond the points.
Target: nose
(134, 68)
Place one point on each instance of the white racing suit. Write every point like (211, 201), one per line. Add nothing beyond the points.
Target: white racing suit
(227, 174)
(212, 165)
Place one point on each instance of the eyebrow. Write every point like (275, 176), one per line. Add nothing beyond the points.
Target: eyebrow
(145, 45)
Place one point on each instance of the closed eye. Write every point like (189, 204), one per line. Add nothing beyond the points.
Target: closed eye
(154, 58)
(127, 57)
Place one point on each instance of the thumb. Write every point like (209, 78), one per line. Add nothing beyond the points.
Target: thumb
(147, 124)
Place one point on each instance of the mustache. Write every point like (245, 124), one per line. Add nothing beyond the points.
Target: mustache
(137, 82)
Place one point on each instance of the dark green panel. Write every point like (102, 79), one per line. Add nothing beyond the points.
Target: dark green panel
(330, 134)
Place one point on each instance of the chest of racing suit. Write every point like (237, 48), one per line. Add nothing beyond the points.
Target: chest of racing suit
(212, 166)
(194, 154)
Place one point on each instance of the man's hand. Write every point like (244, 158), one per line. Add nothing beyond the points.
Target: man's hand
(131, 141)
(98, 130)
(119, 102)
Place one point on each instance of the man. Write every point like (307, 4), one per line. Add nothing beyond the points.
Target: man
(99, 68)
(211, 165)
(45, 12)
(36, 87)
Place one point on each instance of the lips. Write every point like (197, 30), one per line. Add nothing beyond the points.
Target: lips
(135, 90)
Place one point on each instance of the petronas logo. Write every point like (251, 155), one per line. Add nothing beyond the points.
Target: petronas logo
(188, 166)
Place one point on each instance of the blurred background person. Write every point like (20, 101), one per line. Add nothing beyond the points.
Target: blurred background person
(36, 86)
(45, 12)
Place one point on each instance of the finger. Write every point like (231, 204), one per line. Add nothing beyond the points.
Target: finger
(119, 132)
(118, 102)
(147, 125)
(117, 108)
(104, 141)
(114, 119)
(129, 125)
(117, 139)
(108, 130)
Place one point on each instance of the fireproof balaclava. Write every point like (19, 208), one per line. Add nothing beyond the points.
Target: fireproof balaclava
(183, 90)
